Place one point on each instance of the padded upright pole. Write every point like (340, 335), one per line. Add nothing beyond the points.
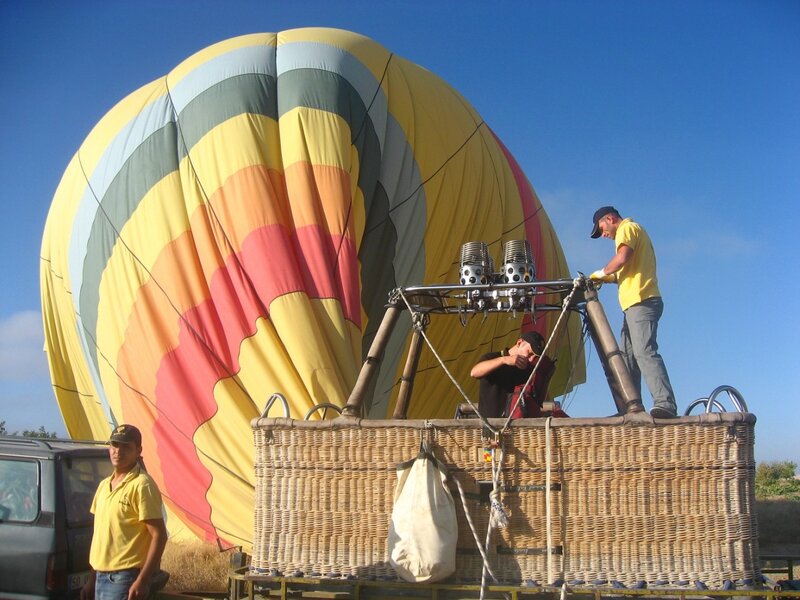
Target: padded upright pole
(626, 399)
(372, 362)
(407, 382)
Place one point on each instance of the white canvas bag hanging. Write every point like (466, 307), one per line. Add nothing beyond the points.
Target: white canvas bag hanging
(423, 531)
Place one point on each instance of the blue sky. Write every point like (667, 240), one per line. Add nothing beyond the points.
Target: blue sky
(683, 114)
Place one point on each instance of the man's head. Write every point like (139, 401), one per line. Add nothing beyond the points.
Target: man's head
(125, 447)
(126, 434)
(529, 344)
(535, 339)
(604, 222)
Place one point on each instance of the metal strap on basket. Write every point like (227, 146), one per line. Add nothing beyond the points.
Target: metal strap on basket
(271, 401)
(711, 402)
(323, 406)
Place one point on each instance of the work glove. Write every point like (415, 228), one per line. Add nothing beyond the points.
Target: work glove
(600, 275)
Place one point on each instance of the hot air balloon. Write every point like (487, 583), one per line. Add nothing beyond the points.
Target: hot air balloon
(232, 229)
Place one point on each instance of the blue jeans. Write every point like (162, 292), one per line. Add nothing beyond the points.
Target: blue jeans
(114, 585)
(639, 345)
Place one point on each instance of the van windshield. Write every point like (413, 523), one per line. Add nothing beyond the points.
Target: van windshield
(81, 476)
(19, 490)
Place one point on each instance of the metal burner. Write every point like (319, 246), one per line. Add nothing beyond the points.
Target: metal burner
(518, 265)
(476, 264)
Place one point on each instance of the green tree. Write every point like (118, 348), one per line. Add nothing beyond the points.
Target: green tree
(774, 479)
(38, 433)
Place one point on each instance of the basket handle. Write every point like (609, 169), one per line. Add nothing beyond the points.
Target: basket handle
(271, 401)
(323, 406)
(711, 402)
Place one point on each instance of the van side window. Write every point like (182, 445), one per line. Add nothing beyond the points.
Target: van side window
(81, 477)
(19, 490)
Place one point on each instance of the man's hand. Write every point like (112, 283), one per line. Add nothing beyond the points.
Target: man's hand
(600, 275)
(139, 590)
(87, 591)
(519, 360)
(513, 359)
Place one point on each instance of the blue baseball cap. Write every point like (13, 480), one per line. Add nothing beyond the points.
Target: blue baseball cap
(599, 214)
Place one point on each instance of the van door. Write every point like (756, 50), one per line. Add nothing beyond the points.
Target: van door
(26, 531)
(80, 476)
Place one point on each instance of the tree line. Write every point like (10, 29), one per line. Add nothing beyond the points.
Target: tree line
(40, 433)
(777, 480)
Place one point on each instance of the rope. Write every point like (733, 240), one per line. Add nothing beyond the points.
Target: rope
(498, 518)
(486, 560)
(473, 529)
(441, 362)
(498, 515)
(548, 498)
(564, 307)
(568, 397)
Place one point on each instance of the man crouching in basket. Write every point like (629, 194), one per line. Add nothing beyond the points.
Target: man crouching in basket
(503, 374)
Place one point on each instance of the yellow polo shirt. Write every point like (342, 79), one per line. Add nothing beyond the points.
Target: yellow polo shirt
(637, 278)
(121, 539)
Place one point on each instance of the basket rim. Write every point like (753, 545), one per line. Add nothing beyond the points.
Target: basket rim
(630, 420)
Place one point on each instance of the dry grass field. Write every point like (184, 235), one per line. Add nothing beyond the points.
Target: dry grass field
(195, 567)
(201, 567)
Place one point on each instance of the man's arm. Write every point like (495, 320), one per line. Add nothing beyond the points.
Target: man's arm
(158, 540)
(87, 591)
(623, 255)
(484, 367)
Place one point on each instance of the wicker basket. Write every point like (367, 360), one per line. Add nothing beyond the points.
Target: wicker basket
(630, 499)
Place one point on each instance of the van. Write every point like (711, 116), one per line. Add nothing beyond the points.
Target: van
(46, 490)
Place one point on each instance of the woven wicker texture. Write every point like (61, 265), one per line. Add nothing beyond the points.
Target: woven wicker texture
(634, 499)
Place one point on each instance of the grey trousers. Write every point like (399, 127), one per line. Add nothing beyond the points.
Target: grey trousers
(639, 345)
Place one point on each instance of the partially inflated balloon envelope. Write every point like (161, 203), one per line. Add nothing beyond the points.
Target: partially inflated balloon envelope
(232, 230)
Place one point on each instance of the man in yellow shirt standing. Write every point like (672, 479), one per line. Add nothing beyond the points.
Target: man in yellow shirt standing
(633, 267)
(129, 531)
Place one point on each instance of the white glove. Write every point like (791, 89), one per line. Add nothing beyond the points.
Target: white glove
(601, 275)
